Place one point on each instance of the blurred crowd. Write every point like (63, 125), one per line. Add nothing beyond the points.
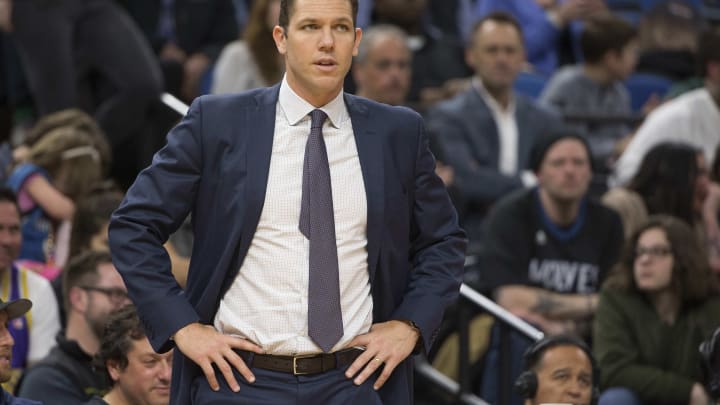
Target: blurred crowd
(577, 138)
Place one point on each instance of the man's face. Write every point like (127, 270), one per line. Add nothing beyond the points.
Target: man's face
(318, 48)
(565, 172)
(10, 234)
(385, 75)
(108, 295)
(146, 379)
(6, 346)
(564, 376)
(497, 54)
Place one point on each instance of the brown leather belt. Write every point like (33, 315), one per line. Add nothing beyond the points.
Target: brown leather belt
(303, 364)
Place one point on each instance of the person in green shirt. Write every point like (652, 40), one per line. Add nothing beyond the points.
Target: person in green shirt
(653, 312)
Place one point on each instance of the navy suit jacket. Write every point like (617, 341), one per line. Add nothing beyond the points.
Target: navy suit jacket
(465, 130)
(215, 166)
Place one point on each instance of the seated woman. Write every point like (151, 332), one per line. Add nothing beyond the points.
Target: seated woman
(672, 180)
(654, 311)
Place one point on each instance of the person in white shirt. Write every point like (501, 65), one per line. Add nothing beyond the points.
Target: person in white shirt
(692, 118)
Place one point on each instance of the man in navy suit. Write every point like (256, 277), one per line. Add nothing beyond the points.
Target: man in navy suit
(238, 163)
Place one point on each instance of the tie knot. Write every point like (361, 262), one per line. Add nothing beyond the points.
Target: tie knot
(318, 118)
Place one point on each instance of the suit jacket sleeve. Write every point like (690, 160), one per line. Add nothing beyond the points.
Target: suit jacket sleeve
(437, 250)
(479, 182)
(153, 208)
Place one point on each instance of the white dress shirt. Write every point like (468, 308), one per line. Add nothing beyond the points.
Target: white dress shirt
(267, 302)
(507, 130)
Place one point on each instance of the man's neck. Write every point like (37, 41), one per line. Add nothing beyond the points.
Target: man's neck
(79, 331)
(598, 74)
(116, 397)
(561, 213)
(501, 95)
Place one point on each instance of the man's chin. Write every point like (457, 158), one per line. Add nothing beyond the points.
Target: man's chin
(5, 374)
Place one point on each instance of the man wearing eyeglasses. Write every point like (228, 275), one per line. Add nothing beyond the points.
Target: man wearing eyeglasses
(92, 290)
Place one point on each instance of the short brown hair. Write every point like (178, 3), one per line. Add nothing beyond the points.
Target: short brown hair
(286, 11)
(82, 270)
(691, 271)
(499, 17)
(605, 34)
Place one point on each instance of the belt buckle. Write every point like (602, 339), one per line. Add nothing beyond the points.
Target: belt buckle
(295, 359)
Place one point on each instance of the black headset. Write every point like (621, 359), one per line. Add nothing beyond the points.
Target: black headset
(710, 366)
(527, 383)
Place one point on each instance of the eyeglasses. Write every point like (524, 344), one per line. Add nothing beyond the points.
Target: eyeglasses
(654, 251)
(116, 295)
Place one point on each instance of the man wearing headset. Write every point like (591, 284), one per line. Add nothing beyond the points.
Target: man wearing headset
(558, 369)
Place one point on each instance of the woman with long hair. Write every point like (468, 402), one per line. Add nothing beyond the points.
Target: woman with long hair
(654, 310)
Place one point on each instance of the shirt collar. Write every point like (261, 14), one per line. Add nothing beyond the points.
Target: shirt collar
(490, 100)
(296, 108)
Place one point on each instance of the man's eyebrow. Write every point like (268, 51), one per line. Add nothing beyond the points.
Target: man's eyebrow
(561, 371)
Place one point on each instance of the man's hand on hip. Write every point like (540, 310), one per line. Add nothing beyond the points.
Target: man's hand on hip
(204, 345)
(387, 343)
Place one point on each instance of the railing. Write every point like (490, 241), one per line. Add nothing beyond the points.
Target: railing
(174, 103)
(470, 300)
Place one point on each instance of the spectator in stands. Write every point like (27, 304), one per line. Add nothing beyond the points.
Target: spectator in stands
(139, 375)
(252, 61)
(92, 289)
(668, 35)
(382, 67)
(548, 249)
(559, 369)
(673, 180)
(69, 118)
(437, 58)
(486, 132)
(692, 118)
(90, 55)
(10, 310)
(187, 36)
(710, 355)
(590, 93)
(61, 168)
(34, 331)
(544, 22)
(653, 313)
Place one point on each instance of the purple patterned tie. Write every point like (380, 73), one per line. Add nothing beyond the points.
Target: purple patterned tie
(317, 223)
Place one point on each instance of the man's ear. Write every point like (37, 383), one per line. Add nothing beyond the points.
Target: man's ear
(280, 39)
(113, 369)
(470, 57)
(78, 299)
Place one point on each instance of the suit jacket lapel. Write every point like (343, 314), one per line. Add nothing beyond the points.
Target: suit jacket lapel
(259, 128)
(371, 156)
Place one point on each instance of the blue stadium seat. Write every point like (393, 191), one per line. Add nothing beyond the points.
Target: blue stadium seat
(530, 84)
(642, 85)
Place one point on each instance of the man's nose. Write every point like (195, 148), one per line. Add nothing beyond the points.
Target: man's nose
(327, 39)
